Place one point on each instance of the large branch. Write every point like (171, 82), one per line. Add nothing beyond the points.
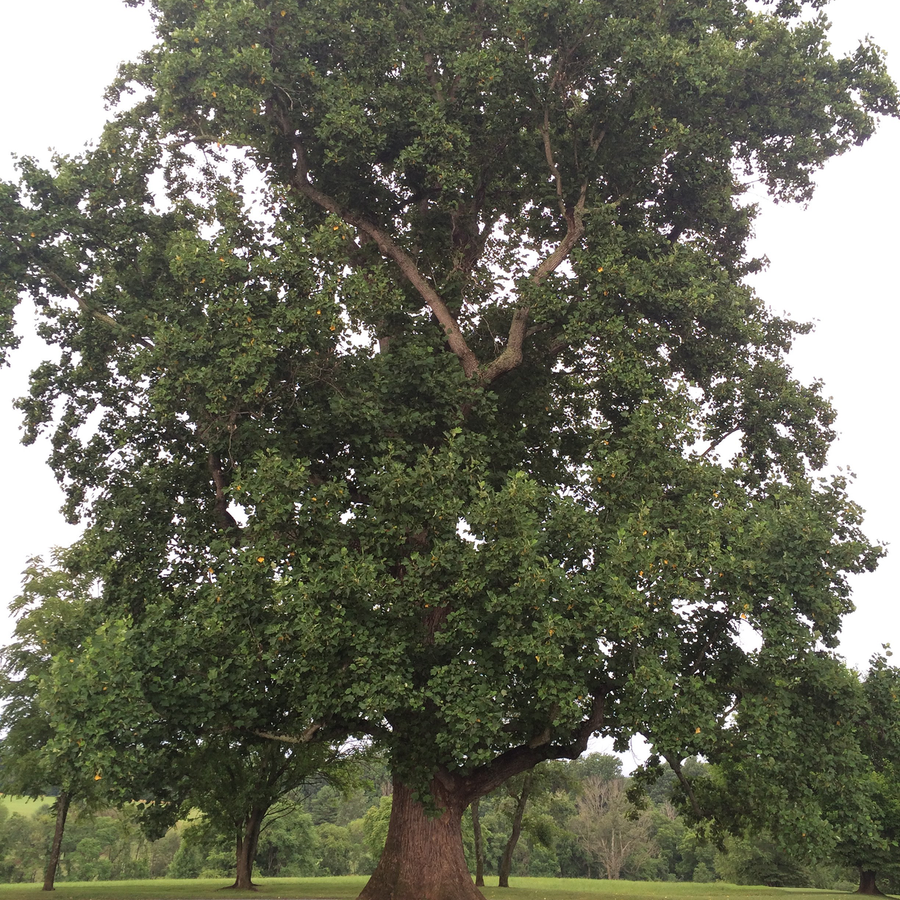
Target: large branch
(396, 254)
(224, 519)
(520, 759)
(512, 355)
(572, 215)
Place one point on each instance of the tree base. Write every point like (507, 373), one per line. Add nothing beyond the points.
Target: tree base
(867, 884)
(423, 857)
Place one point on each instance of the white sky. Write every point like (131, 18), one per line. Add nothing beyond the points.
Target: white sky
(834, 262)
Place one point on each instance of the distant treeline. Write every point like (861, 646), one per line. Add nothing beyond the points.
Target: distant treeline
(577, 821)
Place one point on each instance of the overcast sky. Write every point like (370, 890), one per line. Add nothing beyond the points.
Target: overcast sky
(834, 262)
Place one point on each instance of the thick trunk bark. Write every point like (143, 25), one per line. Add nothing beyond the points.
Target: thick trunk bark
(867, 883)
(506, 859)
(62, 810)
(479, 845)
(423, 857)
(245, 850)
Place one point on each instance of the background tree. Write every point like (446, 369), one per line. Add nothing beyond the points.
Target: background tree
(519, 792)
(50, 615)
(523, 805)
(475, 812)
(757, 859)
(604, 828)
(411, 337)
(288, 845)
(237, 785)
(878, 728)
(803, 771)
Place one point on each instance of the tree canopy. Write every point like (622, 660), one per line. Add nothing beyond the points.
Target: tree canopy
(410, 388)
(808, 759)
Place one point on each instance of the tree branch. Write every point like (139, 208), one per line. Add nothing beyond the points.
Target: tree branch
(719, 440)
(304, 738)
(512, 355)
(572, 215)
(574, 231)
(300, 182)
(71, 292)
(675, 766)
(224, 519)
(520, 759)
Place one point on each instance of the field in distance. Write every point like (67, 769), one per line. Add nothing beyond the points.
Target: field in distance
(24, 806)
(348, 887)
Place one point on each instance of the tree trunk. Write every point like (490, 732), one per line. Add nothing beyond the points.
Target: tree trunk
(479, 845)
(62, 810)
(867, 883)
(506, 859)
(423, 857)
(245, 850)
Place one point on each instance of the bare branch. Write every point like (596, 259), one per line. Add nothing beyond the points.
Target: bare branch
(224, 519)
(548, 153)
(304, 738)
(574, 231)
(719, 440)
(512, 354)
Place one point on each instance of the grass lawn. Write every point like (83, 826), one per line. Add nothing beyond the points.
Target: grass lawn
(347, 889)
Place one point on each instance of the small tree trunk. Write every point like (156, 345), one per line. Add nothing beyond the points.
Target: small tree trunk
(423, 857)
(245, 850)
(867, 883)
(62, 810)
(506, 859)
(479, 845)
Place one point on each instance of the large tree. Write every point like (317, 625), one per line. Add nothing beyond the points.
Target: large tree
(410, 388)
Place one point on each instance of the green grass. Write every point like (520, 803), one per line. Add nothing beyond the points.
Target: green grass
(348, 888)
(580, 889)
(192, 889)
(24, 805)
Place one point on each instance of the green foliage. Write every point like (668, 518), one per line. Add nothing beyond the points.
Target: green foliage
(877, 726)
(375, 826)
(760, 861)
(348, 888)
(52, 618)
(107, 845)
(85, 863)
(342, 851)
(288, 846)
(292, 841)
(202, 850)
(24, 842)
